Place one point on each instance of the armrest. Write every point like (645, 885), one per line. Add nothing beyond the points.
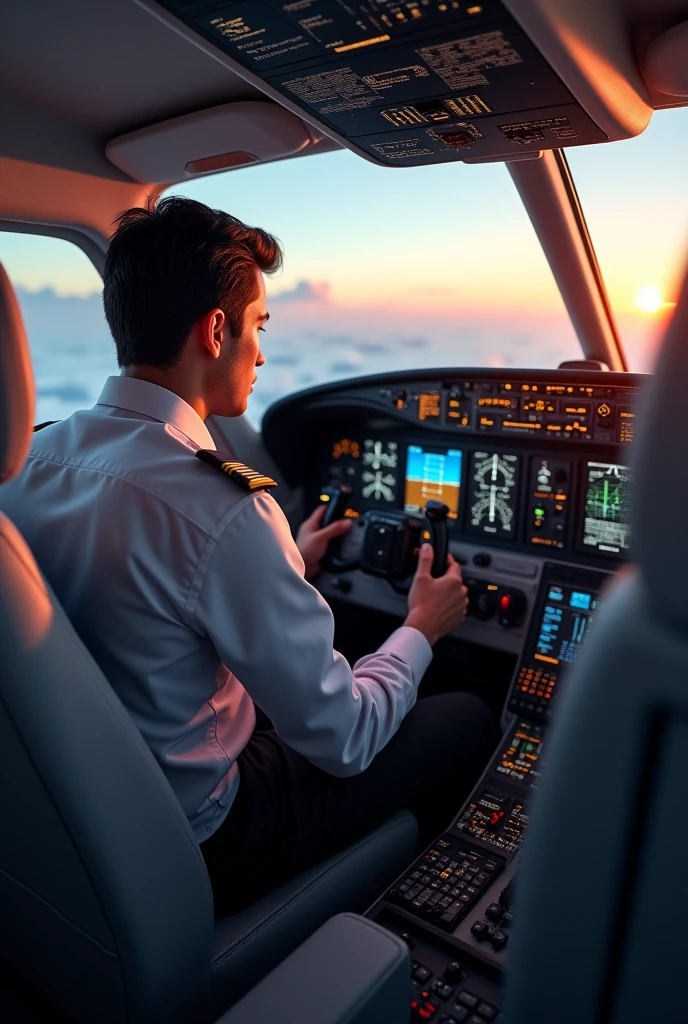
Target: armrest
(350, 971)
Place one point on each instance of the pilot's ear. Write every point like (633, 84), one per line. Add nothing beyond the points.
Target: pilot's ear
(213, 326)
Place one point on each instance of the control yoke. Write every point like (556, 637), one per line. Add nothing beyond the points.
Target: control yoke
(436, 520)
(385, 543)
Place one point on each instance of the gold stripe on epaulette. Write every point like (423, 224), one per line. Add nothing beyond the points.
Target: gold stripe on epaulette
(236, 471)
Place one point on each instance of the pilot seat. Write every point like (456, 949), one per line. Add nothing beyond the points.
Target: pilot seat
(600, 932)
(107, 906)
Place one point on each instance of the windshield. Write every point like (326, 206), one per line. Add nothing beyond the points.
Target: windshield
(389, 269)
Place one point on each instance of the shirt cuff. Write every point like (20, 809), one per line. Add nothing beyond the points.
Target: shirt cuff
(409, 644)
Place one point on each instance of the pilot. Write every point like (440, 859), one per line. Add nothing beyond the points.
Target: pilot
(178, 569)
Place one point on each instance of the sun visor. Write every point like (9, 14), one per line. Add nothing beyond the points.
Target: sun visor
(231, 135)
(666, 62)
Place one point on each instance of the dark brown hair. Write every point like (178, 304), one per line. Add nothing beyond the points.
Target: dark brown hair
(169, 265)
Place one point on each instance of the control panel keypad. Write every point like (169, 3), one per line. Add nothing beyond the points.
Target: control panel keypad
(445, 1000)
(445, 882)
(533, 692)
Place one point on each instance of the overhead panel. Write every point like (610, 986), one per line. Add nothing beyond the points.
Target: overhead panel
(407, 82)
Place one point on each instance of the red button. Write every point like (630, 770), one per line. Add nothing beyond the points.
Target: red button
(505, 601)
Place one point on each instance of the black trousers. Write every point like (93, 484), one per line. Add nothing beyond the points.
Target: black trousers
(289, 815)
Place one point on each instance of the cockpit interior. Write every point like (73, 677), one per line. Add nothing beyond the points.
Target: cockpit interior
(554, 893)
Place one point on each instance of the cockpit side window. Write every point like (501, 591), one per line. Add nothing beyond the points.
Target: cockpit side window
(60, 295)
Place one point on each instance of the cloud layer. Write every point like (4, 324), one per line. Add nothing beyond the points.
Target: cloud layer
(310, 339)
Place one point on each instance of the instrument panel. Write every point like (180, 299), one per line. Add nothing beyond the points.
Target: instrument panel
(507, 496)
(533, 462)
(534, 467)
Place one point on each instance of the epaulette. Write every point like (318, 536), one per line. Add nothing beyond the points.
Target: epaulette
(243, 475)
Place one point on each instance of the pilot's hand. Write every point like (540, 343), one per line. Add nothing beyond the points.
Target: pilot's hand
(436, 606)
(312, 540)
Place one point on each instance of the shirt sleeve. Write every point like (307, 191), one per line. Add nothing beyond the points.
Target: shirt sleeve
(275, 633)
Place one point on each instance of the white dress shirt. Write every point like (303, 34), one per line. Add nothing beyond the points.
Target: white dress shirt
(189, 593)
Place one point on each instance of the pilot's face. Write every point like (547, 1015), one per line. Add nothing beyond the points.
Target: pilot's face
(243, 356)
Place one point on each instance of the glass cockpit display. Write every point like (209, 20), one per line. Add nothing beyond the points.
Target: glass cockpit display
(558, 634)
(432, 475)
(565, 624)
(607, 526)
(370, 467)
(520, 760)
(494, 482)
(379, 462)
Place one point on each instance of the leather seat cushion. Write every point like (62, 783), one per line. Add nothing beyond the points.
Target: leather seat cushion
(247, 945)
(16, 378)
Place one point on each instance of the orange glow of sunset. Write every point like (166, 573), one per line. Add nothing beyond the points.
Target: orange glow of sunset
(649, 299)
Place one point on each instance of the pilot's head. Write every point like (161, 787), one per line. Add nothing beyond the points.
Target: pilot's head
(184, 295)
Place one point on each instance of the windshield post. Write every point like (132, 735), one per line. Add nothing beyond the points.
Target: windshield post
(549, 195)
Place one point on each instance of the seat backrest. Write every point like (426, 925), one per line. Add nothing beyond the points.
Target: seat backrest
(599, 932)
(106, 903)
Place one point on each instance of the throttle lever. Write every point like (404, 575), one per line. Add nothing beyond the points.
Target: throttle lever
(436, 513)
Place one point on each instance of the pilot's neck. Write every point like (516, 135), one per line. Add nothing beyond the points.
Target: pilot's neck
(176, 379)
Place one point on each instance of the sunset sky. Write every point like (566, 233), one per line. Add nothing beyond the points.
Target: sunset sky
(439, 247)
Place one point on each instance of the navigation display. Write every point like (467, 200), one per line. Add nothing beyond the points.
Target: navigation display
(607, 507)
(432, 474)
(565, 624)
(494, 480)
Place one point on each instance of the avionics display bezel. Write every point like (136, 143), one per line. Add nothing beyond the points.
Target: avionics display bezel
(581, 501)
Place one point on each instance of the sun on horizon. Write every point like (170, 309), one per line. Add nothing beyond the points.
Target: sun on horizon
(649, 299)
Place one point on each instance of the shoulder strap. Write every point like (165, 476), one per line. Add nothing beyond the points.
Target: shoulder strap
(243, 475)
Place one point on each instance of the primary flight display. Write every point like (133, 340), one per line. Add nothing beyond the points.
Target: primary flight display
(432, 474)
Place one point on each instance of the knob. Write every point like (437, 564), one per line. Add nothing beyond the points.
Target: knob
(409, 940)
(482, 559)
(480, 930)
(495, 912)
(512, 605)
(452, 971)
(482, 602)
(499, 939)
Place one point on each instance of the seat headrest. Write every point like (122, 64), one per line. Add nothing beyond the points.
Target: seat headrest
(660, 514)
(16, 384)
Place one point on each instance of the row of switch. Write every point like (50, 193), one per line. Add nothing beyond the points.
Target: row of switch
(499, 915)
(468, 1007)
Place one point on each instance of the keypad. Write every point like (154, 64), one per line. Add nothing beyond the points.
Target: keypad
(444, 884)
(533, 692)
(440, 1003)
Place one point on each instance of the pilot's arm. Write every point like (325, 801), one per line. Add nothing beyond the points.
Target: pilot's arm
(275, 632)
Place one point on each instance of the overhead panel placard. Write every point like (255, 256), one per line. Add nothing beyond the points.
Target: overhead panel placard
(464, 75)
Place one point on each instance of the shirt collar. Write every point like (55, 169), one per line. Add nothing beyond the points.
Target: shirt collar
(159, 404)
